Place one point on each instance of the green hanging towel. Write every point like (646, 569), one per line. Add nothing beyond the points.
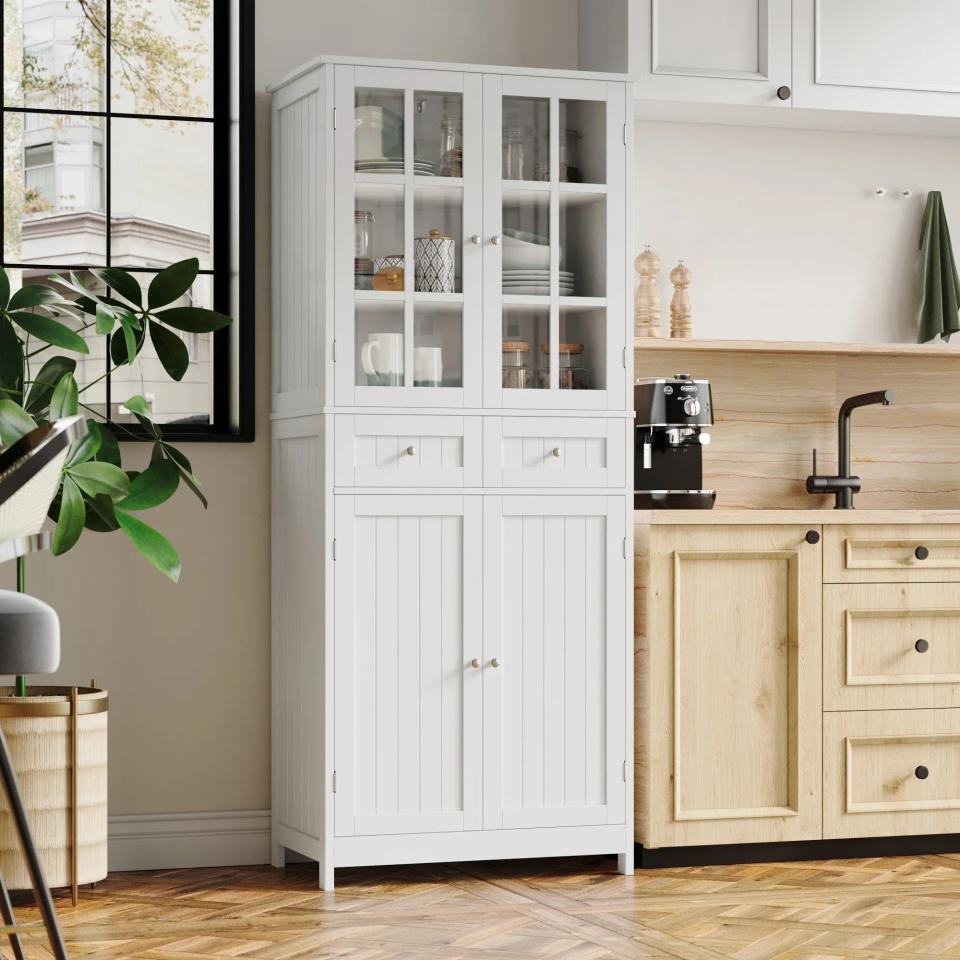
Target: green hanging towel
(937, 282)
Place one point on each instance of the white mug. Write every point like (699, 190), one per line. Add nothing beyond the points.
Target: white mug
(427, 366)
(381, 358)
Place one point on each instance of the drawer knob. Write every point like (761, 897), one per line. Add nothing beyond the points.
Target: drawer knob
(495, 662)
(812, 536)
(921, 553)
(411, 451)
(921, 773)
(783, 93)
(475, 663)
(556, 452)
(921, 646)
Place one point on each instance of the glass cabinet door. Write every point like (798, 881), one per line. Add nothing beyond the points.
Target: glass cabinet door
(555, 264)
(408, 176)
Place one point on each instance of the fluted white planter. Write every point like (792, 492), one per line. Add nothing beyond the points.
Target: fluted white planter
(41, 750)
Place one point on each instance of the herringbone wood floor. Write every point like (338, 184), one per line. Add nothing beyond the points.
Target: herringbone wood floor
(882, 909)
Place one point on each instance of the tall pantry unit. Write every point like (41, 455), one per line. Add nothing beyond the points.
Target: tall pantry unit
(452, 464)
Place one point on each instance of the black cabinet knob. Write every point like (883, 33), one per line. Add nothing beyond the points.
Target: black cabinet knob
(921, 646)
(921, 773)
(921, 553)
(783, 93)
(812, 536)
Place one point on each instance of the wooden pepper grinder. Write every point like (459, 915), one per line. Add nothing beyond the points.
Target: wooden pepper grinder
(646, 304)
(680, 309)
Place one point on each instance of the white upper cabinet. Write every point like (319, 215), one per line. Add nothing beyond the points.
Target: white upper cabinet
(877, 56)
(882, 56)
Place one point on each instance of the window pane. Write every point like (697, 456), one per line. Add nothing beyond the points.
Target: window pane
(162, 202)
(188, 401)
(161, 57)
(53, 189)
(53, 54)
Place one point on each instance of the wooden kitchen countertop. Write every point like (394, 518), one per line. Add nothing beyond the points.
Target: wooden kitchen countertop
(814, 517)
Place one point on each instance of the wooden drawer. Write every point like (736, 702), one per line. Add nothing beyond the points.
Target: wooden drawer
(408, 451)
(872, 767)
(889, 554)
(556, 452)
(891, 646)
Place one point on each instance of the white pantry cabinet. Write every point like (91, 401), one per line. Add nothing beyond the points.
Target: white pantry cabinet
(452, 637)
(871, 56)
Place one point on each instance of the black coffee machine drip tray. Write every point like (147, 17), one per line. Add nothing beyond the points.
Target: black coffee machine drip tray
(674, 499)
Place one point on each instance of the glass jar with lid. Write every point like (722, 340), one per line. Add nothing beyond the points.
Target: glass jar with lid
(515, 364)
(363, 221)
(516, 153)
(572, 375)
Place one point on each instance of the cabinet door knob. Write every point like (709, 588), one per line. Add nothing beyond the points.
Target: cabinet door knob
(556, 452)
(495, 241)
(411, 451)
(783, 93)
(921, 773)
(475, 239)
(921, 646)
(812, 536)
(495, 662)
(475, 663)
(921, 553)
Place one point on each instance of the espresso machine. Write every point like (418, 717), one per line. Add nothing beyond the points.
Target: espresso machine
(671, 413)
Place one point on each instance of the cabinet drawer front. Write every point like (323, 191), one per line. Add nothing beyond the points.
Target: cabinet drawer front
(408, 451)
(891, 772)
(891, 646)
(891, 554)
(555, 452)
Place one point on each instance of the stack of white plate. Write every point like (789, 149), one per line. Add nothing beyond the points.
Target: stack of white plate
(422, 168)
(534, 283)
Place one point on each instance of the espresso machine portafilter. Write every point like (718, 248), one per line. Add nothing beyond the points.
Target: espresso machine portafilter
(671, 413)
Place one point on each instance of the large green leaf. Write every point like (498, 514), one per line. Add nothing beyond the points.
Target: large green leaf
(186, 471)
(171, 350)
(50, 331)
(149, 489)
(65, 399)
(109, 451)
(122, 282)
(101, 516)
(139, 405)
(172, 282)
(11, 355)
(86, 447)
(4, 289)
(193, 319)
(70, 520)
(153, 545)
(119, 344)
(33, 295)
(94, 478)
(105, 320)
(15, 422)
(50, 374)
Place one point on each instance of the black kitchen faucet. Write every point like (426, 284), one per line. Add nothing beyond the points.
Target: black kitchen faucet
(844, 485)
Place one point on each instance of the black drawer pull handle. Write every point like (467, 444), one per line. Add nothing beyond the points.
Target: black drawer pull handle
(921, 553)
(921, 646)
(812, 536)
(921, 773)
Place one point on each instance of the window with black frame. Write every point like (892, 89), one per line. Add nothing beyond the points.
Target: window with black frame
(118, 140)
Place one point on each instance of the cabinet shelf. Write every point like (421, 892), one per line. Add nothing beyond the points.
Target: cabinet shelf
(799, 347)
(520, 194)
(566, 303)
(397, 296)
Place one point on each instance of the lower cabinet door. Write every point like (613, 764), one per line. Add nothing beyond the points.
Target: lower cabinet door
(891, 773)
(408, 710)
(555, 653)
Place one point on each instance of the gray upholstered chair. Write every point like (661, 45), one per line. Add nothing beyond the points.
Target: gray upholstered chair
(29, 629)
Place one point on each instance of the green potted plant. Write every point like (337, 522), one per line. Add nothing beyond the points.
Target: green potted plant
(98, 494)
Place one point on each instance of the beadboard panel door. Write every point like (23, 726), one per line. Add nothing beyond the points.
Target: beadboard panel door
(733, 651)
(554, 693)
(408, 699)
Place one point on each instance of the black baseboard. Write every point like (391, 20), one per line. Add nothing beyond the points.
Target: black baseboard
(846, 849)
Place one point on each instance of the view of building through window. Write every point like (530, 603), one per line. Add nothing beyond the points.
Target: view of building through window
(108, 139)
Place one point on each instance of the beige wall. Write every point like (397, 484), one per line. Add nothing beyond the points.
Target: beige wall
(188, 666)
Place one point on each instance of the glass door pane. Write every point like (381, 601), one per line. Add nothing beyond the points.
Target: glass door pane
(378, 131)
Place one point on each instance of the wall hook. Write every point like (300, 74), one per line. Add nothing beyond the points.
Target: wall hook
(906, 193)
(880, 191)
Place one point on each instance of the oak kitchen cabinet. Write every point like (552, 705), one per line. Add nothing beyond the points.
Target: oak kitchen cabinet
(730, 644)
(451, 632)
(857, 55)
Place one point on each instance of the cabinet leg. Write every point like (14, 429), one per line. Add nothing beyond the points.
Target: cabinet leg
(326, 875)
(278, 855)
(625, 862)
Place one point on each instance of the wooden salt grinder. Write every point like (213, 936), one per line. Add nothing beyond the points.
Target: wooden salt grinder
(646, 304)
(681, 312)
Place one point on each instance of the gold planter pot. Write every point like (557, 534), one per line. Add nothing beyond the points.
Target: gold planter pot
(57, 739)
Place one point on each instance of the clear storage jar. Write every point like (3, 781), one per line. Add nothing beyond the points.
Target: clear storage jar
(516, 153)
(572, 375)
(515, 364)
